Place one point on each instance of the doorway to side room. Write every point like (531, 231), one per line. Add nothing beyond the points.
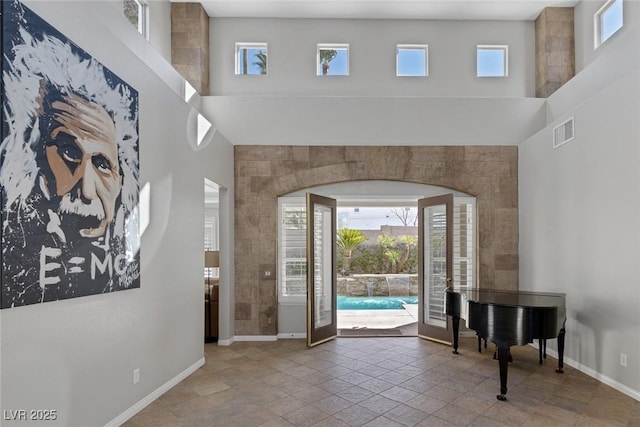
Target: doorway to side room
(211, 260)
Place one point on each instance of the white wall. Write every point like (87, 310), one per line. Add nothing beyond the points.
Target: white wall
(160, 27)
(579, 209)
(375, 120)
(372, 49)
(77, 356)
(372, 106)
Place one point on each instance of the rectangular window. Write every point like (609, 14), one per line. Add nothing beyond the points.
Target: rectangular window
(136, 12)
(492, 61)
(251, 58)
(332, 59)
(412, 60)
(607, 21)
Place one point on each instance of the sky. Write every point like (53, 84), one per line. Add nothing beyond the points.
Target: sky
(611, 20)
(251, 69)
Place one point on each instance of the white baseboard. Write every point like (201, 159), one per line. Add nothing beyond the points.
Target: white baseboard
(141, 404)
(249, 338)
(225, 342)
(634, 394)
(292, 335)
(255, 338)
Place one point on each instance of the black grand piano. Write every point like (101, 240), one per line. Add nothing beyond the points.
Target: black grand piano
(509, 318)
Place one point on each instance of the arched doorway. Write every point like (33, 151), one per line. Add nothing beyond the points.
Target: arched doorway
(379, 295)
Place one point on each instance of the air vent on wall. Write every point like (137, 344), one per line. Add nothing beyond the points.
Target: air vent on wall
(563, 133)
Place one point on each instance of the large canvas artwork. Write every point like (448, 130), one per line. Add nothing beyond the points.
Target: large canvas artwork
(69, 171)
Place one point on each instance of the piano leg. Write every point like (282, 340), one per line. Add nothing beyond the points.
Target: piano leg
(503, 360)
(560, 369)
(455, 323)
(542, 349)
(509, 356)
(480, 343)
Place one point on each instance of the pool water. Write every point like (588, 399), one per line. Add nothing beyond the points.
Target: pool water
(374, 303)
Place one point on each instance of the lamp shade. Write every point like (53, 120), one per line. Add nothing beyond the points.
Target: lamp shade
(211, 259)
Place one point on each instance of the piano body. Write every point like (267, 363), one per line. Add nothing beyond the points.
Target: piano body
(509, 318)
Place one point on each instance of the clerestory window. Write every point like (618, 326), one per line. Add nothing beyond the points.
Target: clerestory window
(251, 58)
(492, 61)
(332, 59)
(136, 12)
(412, 60)
(607, 21)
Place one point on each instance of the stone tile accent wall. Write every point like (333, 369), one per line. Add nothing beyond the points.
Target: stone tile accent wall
(190, 44)
(263, 173)
(555, 50)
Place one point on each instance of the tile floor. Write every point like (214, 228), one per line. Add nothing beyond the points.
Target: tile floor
(382, 382)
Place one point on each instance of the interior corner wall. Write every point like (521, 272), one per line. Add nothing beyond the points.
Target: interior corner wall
(262, 173)
(579, 230)
(77, 356)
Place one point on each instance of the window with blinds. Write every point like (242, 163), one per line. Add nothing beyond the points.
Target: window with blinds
(292, 264)
(463, 243)
(211, 234)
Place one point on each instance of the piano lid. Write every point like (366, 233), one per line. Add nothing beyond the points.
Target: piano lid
(515, 298)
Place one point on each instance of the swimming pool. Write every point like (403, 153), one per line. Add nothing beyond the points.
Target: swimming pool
(374, 303)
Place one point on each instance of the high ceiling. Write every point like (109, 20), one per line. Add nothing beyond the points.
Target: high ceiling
(381, 9)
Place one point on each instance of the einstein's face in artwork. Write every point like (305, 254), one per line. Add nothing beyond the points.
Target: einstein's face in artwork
(82, 153)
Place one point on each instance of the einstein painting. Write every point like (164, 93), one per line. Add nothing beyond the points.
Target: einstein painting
(69, 175)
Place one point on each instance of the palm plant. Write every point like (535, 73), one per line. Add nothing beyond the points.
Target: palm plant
(326, 56)
(408, 242)
(261, 62)
(386, 243)
(348, 239)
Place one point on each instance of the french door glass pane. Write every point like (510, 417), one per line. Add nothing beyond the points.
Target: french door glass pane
(435, 269)
(322, 277)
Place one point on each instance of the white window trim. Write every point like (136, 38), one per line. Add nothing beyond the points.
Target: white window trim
(425, 47)
(334, 46)
(597, 23)
(503, 47)
(250, 45)
(143, 18)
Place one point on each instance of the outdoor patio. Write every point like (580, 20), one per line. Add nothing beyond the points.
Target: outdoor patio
(379, 322)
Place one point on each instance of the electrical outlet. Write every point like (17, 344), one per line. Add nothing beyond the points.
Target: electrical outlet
(136, 375)
(623, 360)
